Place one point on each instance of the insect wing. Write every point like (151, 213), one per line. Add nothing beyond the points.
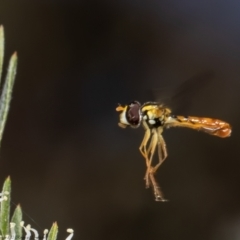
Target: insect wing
(179, 98)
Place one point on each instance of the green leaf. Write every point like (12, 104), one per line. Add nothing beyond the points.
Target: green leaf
(17, 218)
(5, 208)
(7, 93)
(53, 232)
(1, 49)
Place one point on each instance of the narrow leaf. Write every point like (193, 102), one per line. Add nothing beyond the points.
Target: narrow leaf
(7, 93)
(53, 232)
(17, 218)
(1, 49)
(5, 208)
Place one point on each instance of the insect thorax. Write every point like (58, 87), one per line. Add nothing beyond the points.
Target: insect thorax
(154, 114)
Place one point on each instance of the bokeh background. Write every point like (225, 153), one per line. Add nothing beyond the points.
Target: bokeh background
(67, 157)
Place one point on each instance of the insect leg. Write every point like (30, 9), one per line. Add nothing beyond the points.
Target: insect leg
(152, 146)
(143, 146)
(162, 151)
(144, 152)
(150, 152)
(151, 170)
(157, 191)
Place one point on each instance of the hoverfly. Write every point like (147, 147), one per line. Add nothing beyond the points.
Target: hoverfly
(154, 117)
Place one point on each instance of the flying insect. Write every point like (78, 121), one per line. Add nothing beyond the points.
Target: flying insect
(154, 118)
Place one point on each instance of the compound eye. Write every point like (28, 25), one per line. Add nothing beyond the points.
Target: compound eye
(133, 113)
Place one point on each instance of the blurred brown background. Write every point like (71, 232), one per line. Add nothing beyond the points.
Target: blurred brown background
(68, 159)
